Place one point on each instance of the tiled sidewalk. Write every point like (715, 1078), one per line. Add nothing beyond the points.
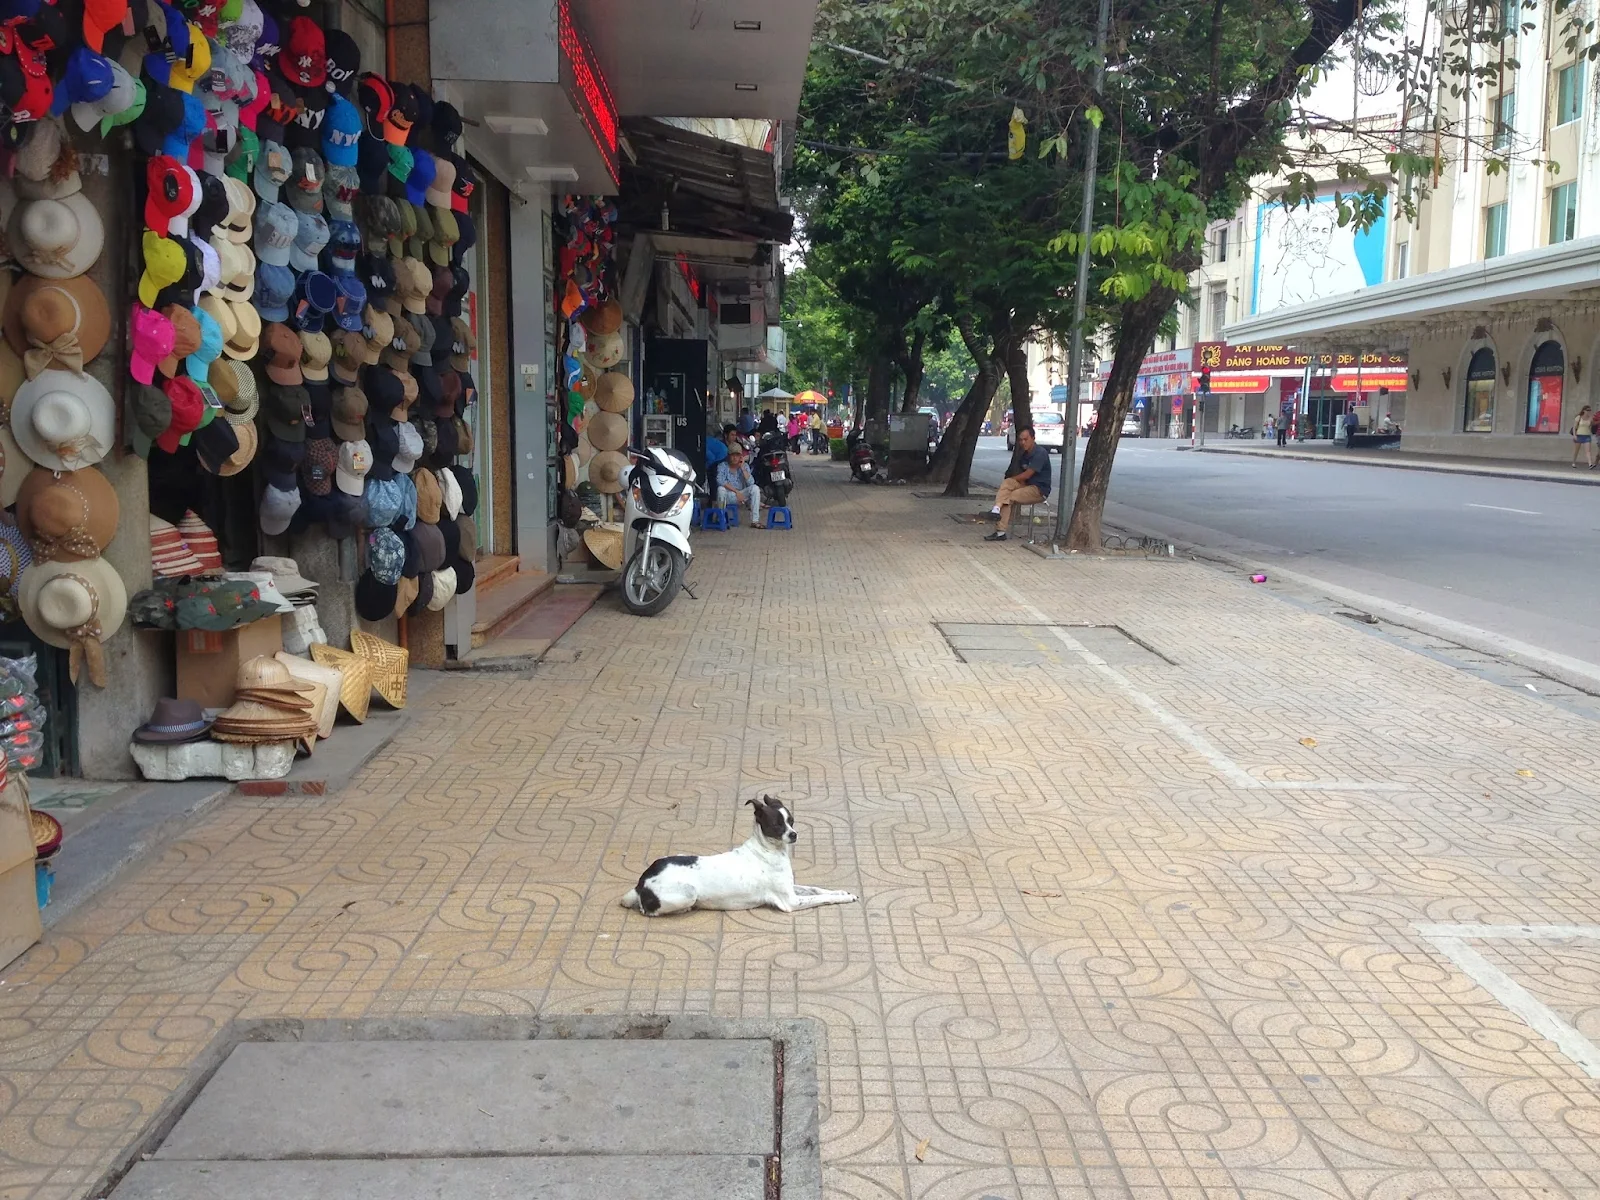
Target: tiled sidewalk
(1125, 931)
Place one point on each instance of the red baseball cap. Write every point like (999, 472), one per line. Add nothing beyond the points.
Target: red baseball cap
(171, 194)
(188, 406)
(304, 57)
(100, 17)
(24, 78)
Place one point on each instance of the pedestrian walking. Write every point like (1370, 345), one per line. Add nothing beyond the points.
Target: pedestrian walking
(1583, 436)
(1269, 429)
(1283, 432)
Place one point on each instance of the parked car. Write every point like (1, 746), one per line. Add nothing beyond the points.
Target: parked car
(1132, 426)
(1049, 431)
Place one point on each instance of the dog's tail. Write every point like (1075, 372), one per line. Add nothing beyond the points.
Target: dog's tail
(631, 900)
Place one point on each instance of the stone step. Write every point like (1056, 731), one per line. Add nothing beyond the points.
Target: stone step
(506, 600)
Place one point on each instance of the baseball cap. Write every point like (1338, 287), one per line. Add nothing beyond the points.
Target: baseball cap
(315, 351)
(311, 236)
(274, 290)
(304, 58)
(344, 246)
(340, 187)
(384, 505)
(344, 61)
(349, 416)
(283, 349)
(355, 460)
(410, 447)
(278, 506)
(171, 195)
(164, 265)
(285, 409)
(151, 337)
(315, 296)
(421, 177)
(272, 168)
(341, 133)
(351, 303)
(304, 186)
(276, 227)
(116, 102)
(210, 348)
(188, 407)
(190, 126)
(316, 470)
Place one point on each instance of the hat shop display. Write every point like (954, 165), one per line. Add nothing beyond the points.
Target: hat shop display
(297, 330)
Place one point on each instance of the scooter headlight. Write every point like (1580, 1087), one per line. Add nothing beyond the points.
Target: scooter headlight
(683, 502)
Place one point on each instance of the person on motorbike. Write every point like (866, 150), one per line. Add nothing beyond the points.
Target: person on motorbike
(736, 484)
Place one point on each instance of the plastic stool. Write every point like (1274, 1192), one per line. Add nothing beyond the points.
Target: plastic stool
(732, 511)
(694, 517)
(780, 518)
(714, 518)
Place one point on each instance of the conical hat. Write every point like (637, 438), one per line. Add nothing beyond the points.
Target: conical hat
(605, 351)
(607, 431)
(614, 392)
(605, 543)
(605, 317)
(355, 683)
(330, 678)
(607, 470)
(569, 470)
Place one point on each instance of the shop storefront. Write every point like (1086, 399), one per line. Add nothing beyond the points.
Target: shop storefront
(1252, 384)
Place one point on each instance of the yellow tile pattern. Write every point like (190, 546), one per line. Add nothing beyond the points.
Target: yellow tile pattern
(1085, 964)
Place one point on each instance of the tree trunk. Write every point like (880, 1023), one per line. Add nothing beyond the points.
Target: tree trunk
(1016, 361)
(911, 368)
(858, 404)
(1136, 333)
(877, 401)
(961, 438)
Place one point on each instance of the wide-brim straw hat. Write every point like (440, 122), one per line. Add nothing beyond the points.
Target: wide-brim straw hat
(57, 239)
(57, 322)
(355, 682)
(614, 392)
(330, 679)
(63, 420)
(607, 431)
(75, 606)
(71, 516)
(607, 471)
(249, 443)
(389, 665)
(605, 543)
(605, 317)
(569, 470)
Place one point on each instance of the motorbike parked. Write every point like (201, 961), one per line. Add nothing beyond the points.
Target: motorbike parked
(771, 470)
(656, 517)
(863, 461)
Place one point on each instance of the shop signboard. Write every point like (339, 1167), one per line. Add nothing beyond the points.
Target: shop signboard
(1235, 384)
(1370, 381)
(587, 90)
(1220, 356)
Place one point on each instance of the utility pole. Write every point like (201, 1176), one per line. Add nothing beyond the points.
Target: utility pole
(1069, 445)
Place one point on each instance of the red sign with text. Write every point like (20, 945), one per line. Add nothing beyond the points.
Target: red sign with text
(586, 87)
(1371, 381)
(1220, 356)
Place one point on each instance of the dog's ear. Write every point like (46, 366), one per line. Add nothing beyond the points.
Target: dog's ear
(752, 803)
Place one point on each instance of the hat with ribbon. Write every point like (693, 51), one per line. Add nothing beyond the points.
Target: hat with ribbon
(173, 723)
(245, 340)
(63, 420)
(57, 239)
(67, 516)
(244, 402)
(75, 606)
(61, 323)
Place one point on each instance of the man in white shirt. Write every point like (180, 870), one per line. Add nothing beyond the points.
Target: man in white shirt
(735, 484)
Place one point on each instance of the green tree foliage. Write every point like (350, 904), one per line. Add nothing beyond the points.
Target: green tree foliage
(822, 336)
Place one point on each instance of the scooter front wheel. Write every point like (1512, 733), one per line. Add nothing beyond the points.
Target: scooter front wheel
(652, 578)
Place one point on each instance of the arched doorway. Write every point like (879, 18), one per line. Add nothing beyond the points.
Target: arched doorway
(1480, 392)
(1546, 374)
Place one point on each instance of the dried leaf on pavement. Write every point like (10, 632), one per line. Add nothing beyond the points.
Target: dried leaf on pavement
(1308, 741)
(1046, 895)
(1525, 773)
(922, 1148)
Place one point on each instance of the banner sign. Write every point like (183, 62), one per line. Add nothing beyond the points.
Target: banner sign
(1371, 381)
(1236, 383)
(1220, 356)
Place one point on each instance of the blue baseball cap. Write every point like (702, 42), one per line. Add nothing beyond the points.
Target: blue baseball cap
(311, 235)
(423, 169)
(408, 499)
(344, 247)
(274, 289)
(177, 142)
(386, 553)
(341, 133)
(88, 78)
(352, 301)
(384, 505)
(314, 298)
(210, 349)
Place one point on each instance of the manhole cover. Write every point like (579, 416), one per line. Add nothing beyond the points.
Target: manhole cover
(1036, 645)
(565, 1109)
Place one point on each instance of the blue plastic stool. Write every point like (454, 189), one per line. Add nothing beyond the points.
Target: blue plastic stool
(780, 518)
(733, 515)
(714, 518)
(694, 517)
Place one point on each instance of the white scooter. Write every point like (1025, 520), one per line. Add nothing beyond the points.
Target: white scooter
(655, 529)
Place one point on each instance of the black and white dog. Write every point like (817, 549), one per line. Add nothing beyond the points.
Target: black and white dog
(754, 875)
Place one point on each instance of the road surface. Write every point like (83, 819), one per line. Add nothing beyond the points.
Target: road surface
(1516, 558)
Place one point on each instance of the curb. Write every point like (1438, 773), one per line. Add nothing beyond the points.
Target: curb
(1406, 465)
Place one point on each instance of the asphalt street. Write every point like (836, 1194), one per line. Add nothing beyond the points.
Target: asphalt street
(1516, 558)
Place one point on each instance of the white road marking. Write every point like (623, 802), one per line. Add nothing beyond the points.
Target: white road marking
(1196, 741)
(1451, 941)
(1502, 508)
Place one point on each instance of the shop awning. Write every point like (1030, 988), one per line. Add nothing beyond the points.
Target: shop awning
(686, 184)
(1439, 304)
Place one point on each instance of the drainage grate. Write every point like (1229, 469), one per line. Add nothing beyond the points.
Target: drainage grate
(1039, 645)
(468, 1107)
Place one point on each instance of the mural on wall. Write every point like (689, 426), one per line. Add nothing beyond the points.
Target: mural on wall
(1303, 254)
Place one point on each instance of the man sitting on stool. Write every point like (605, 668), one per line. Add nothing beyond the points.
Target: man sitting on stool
(735, 483)
(1030, 484)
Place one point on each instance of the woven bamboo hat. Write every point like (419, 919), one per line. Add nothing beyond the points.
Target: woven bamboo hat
(355, 678)
(389, 665)
(605, 543)
(607, 470)
(330, 679)
(614, 392)
(607, 431)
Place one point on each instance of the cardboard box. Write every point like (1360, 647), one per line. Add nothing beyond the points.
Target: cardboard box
(208, 663)
(19, 911)
(16, 829)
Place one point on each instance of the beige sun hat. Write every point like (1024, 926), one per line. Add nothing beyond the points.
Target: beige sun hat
(57, 239)
(63, 420)
(607, 471)
(607, 431)
(605, 543)
(75, 606)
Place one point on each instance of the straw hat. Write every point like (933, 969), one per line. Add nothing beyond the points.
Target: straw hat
(67, 517)
(331, 679)
(607, 431)
(605, 351)
(585, 450)
(388, 663)
(355, 682)
(57, 239)
(75, 606)
(241, 458)
(605, 543)
(63, 421)
(603, 318)
(607, 470)
(56, 322)
(614, 392)
(569, 470)
(270, 705)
